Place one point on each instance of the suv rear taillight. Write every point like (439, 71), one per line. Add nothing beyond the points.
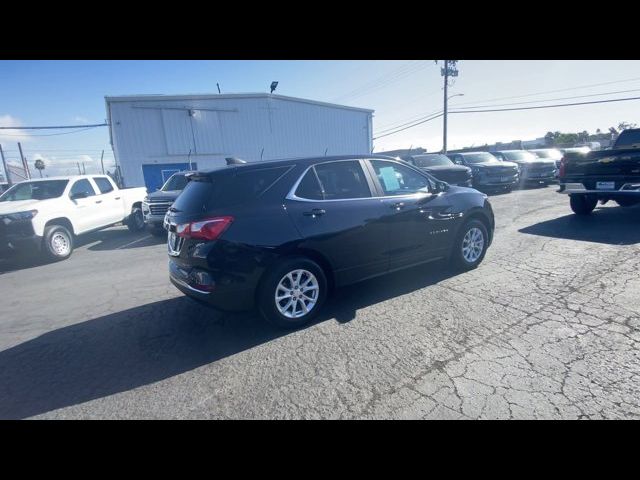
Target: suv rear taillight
(207, 229)
(562, 167)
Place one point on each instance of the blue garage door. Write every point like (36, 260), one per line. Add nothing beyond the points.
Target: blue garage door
(155, 175)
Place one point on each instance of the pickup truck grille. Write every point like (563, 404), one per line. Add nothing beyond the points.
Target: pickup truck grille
(159, 208)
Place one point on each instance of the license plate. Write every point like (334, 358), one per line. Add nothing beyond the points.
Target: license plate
(605, 185)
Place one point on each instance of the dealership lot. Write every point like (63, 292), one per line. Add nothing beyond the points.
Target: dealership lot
(547, 327)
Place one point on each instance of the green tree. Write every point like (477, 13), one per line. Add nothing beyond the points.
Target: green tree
(39, 164)
(626, 125)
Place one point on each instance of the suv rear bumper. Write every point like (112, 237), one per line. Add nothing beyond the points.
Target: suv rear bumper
(218, 294)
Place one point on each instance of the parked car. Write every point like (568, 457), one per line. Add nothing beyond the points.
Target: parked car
(45, 215)
(603, 174)
(279, 234)
(156, 204)
(489, 173)
(550, 153)
(441, 167)
(531, 168)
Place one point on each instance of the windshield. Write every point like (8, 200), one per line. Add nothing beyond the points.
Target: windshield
(34, 191)
(521, 155)
(480, 157)
(431, 160)
(548, 153)
(176, 182)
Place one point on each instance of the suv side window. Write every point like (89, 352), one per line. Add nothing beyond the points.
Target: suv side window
(342, 180)
(103, 184)
(457, 159)
(309, 188)
(397, 179)
(82, 186)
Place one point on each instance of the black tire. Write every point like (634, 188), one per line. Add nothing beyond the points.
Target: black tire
(158, 232)
(627, 202)
(57, 243)
(135, 222)
(582, 204)
(266, 295)
(458, 259)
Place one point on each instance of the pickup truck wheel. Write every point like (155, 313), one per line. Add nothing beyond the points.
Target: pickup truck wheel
(57, 242)
(135, 223)
(582, 204)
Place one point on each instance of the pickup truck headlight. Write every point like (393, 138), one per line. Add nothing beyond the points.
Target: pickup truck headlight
(28, 215)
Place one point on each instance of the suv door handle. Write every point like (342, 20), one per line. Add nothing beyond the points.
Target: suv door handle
(117, 198)
(316, 212)
(397, 206)
(98, 201)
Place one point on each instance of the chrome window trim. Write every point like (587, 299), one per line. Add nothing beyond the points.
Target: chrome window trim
(292, 196)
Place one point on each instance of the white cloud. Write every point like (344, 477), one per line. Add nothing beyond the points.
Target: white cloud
(80, 119)
(12, 135)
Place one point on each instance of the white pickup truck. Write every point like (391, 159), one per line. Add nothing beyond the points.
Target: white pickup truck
(46, 214)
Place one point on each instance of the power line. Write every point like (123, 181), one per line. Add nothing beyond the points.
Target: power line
(47, 134)
(510, 109)
(548, 106)
(55, 126)
(382, 81)
(422, 117)
(553, 91)
(410, 126)
(555, 99)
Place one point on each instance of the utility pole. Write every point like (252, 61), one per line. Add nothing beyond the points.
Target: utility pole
(79, 171)
(24, 163)
(449, 70)
(84, 171)
(101, 161)
(446, 85)
(218, 85)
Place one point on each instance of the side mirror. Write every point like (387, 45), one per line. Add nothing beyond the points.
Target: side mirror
(78, 195)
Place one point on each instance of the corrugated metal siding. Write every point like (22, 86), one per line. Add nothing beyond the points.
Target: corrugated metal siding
(157, 131)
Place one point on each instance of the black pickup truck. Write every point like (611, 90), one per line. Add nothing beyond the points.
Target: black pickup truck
(603, 174)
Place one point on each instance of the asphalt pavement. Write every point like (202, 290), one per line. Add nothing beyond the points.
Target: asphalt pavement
(547, 327)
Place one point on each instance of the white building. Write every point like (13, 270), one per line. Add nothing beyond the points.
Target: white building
(153, 136)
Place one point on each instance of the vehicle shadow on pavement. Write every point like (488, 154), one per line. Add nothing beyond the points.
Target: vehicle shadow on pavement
(125, 350)
(612, 225)
(118, 239)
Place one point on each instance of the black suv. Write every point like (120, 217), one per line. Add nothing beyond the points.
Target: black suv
(279, 234)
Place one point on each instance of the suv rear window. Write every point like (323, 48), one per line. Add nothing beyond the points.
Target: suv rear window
(224, 189)
(628, 138)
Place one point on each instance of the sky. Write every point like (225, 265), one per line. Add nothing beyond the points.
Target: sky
(44, 93)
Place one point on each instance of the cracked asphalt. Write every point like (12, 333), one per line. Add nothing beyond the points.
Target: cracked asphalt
(548, 327)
